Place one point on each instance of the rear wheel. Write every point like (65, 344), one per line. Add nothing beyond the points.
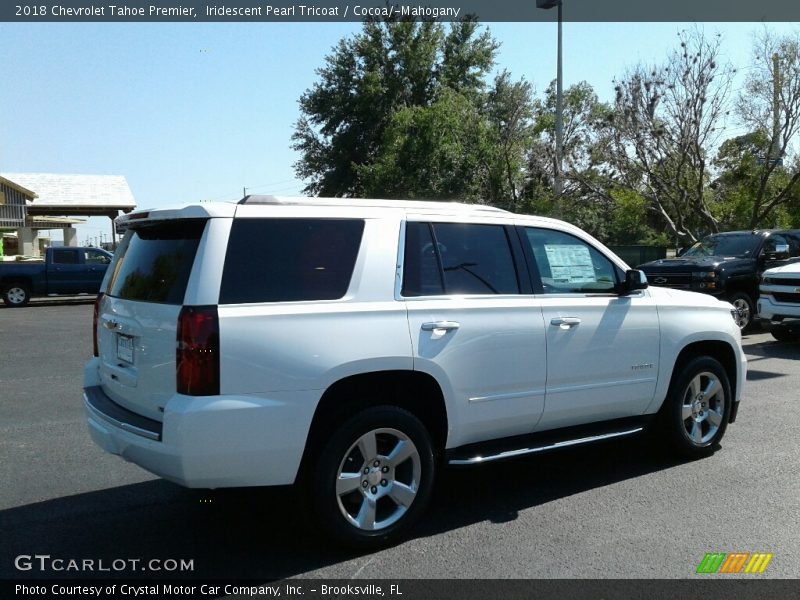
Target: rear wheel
(744, 309)
(16, 295)
(373, 479)
(696, 411)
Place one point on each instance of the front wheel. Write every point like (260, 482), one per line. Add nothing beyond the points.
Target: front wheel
(16, 295)
(696, 411)
(374, 477)
(783, 333)
(744, 309)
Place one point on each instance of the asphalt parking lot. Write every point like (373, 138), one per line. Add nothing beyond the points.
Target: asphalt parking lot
(616, 510)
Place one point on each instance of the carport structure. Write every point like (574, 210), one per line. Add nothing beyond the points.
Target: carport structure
(60, 195)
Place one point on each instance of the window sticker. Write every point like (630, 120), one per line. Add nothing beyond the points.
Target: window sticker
(570, 263)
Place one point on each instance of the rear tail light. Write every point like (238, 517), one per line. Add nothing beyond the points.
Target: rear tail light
(197, 352)
(94, 322)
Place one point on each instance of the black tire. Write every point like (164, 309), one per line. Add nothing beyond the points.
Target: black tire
(784, 334)
(744, 305)
(346, 515)
(699, 390)
(16, 295)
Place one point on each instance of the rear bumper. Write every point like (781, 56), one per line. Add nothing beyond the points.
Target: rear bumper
(221, 441)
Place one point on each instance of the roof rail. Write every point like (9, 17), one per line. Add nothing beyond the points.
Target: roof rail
(368, 202)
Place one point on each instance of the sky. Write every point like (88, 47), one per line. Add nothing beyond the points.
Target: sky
(199, 111)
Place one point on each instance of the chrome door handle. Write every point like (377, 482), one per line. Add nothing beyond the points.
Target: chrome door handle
(441, 325)
(565, 322)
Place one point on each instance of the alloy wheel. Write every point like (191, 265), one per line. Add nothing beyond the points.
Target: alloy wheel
(742, 316)
(378, 479)
(703, 408)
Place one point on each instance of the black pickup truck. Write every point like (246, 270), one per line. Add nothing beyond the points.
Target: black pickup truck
(63, 271)
(727, 265)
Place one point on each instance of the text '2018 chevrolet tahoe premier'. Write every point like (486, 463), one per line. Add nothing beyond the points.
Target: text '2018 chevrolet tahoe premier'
(354, 347)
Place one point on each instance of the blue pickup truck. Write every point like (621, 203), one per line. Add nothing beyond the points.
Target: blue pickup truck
(63, 271)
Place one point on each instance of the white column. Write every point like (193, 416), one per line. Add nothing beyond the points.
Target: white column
(70, 236)
(28, 241)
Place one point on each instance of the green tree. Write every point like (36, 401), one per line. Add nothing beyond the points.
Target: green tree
(586, 200)
(666, 122)
(510, 114)
(432, 152)
(760, 174)
(390, 75)
(746, 183)
(459, 147)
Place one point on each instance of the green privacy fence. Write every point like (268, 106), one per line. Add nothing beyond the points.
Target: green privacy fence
(637, 255)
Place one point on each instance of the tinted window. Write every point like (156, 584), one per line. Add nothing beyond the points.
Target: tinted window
(65, 257)
(156, 260)
(458, 258)
(775, 243)
(421, 273)
(794, 243)
(284, 260)
(568, 265)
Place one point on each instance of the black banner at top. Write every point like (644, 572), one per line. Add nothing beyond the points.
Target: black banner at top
(358, 10)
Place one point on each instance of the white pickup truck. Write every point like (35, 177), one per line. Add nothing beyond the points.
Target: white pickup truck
(779, 302)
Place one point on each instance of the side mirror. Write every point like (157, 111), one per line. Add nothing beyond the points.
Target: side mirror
(634, 280)
(680, 252)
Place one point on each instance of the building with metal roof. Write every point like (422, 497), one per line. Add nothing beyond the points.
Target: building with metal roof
(13, 201)
(39, 199)
(76, 195)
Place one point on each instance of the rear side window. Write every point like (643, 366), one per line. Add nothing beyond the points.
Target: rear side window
(65, 257)
(458, 258)
(422, 273)
(286, 260)
(156, 260)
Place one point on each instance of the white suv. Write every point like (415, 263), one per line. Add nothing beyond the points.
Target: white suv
(779, 302)
(354, 347)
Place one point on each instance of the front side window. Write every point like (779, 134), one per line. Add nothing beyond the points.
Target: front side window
(568, 265)
(794, 243)
(289, 260)
(459, 259)
(775, 243)
(95, 257)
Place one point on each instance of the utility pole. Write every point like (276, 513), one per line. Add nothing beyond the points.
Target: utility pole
(776, 107)
(558, 183)
(557, 166)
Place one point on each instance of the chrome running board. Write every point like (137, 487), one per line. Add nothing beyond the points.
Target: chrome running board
(554, 446)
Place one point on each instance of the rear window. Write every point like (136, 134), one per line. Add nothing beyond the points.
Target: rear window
(156, 260)
(285, 260)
